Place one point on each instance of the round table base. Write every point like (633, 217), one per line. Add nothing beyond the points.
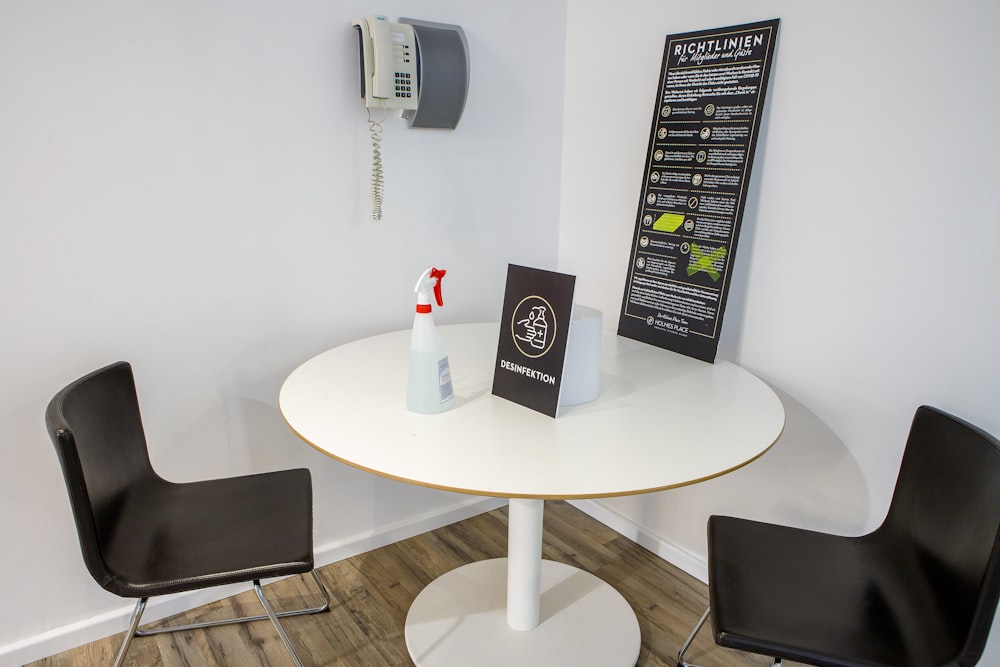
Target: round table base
(460, 618)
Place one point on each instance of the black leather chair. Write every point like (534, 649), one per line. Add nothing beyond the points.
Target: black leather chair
(143, 536)
(920, 590)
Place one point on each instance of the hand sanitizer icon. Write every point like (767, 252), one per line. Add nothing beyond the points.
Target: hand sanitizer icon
(534, 329)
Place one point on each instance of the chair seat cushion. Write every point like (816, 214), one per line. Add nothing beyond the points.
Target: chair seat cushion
(168, 537)
(839, 596)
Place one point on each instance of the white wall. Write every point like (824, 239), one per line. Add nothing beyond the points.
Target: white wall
(866, 278)
(185, 185)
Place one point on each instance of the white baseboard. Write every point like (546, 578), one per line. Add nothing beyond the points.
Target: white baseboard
(691, 563)
(111, 622)
(468, 506)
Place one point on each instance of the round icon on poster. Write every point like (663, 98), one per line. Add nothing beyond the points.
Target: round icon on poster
(533, 326)
(661, 133)
(665, 111)
(650, 320)
(685, 248)
(640, 263)
(701, 156)
(647, 220)
(689, 225)
(654, 177)
(709, 109)
(658, 155)
(644, 241)
(705, 133)
(651, 198)
(696, 180)
(692, 202)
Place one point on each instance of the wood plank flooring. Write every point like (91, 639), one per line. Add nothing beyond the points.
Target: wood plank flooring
(371, 593)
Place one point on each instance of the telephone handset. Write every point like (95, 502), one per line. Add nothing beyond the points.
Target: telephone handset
(389, 64)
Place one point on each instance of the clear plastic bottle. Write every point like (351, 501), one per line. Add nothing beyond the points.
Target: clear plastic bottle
(428, 387)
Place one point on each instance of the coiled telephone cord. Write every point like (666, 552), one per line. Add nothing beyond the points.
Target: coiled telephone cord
(378, 182)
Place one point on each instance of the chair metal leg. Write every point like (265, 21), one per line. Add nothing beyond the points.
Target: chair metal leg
(680, 655)
(140, 607)
(246, 619)
(704, 617)
(276, 623)
(270, 614)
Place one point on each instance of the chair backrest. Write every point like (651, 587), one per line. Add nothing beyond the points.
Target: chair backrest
(97, 431)
(946, 506)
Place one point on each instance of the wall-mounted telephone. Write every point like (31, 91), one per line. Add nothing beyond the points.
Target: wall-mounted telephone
(419, 67)
(388, 64)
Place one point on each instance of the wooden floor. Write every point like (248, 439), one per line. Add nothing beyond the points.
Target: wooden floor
(370, 595)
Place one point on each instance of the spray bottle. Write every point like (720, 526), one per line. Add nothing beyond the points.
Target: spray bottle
(429, 387)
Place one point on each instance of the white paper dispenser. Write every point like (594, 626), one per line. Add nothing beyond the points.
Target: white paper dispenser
(582, 369)
(442, 74)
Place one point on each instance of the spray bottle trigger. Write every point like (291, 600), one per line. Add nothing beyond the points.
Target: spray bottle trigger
(438, 274)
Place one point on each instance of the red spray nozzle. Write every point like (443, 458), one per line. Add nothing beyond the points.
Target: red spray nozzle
(430, 281)
(437, 275)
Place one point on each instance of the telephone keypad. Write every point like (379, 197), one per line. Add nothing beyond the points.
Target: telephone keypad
(404, 86)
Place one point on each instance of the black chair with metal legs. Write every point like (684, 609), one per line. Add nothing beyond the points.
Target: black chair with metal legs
(143, 536)
(920, 590)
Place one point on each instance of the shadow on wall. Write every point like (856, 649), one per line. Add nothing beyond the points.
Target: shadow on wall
(812, 479)
(270, 444)
(808, 479)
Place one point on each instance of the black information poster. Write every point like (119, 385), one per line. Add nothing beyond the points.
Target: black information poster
(534, 326)
(701, 147)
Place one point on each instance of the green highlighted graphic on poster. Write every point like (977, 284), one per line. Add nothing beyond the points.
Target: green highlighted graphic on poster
(706, 263)
(668, 222)
(706, 119)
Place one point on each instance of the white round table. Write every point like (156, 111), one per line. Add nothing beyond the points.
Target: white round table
(662, 420)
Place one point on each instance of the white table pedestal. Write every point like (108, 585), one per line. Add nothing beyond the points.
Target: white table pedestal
(521, 610)
(524, 562)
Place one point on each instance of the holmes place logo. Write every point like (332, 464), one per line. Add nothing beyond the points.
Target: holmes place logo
(533, 326)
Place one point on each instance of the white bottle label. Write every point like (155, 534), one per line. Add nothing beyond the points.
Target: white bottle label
(444, 380)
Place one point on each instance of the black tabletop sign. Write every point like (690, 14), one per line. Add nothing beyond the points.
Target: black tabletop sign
(537, 307)
(701, 147)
